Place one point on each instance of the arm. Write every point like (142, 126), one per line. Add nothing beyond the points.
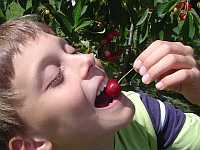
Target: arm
(173, 65)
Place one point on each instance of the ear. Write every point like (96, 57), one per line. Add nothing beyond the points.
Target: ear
(18, 143)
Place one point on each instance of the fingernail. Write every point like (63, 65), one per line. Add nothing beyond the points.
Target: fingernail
(137, 64)
(142, 70)
(145, 78)
(159, 85)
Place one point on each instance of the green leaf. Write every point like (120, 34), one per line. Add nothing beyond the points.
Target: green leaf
(157, 14)
(58, 4)
(133, 4)
(31, 10)
(143, 17)
(170, 6)
(188, 28)
(115, 12)
(128, 87)
(152, 3)
(196, 23)
(108, 70)
(76, 12)
(156, 28)
(2, 6)
(51, 8)
(86, 43)
(64, 24)
(83, 23)
(177, 28)
(161, 35)
(84, 9)
(1, 14)
(99, 32)
(144, 31)
(132, 12)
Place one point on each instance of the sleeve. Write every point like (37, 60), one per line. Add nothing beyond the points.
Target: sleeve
(189, 137)
(167, 121)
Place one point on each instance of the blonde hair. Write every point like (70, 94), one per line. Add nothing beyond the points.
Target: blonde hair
(14, 33)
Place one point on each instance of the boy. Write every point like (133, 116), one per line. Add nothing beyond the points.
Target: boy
(52, 96)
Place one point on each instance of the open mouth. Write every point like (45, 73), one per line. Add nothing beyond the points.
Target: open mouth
(102, 100)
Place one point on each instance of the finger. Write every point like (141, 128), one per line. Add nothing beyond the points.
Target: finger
(165, 65)
(157, 51)
(175, 80)
(150, 49)
(146, 53)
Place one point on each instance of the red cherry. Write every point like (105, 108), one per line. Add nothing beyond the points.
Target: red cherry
(188, 7)
(114, 58)
(115, 32)
(148, 6)
(107, 53)
(103, 41)
(118, 52)
(110, 36)
(111, 58)
(176, 9)
(182, 16)
(113, 88)
(181, 5)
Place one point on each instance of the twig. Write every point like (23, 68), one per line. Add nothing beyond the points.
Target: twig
(126, 56)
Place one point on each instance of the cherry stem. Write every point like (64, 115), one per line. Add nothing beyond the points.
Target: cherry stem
(125, 75)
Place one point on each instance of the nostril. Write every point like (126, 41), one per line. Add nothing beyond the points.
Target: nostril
(90, 68)
(88, 71)
(86, 64)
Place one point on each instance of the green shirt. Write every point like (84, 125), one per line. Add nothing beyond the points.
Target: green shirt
(140, 133)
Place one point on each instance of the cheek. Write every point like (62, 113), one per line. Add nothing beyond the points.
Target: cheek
(69, 105)
(66, 115)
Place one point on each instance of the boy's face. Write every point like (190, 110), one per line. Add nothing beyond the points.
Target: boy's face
(61, 86)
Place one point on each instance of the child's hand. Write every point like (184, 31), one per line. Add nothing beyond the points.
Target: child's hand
(173, 65)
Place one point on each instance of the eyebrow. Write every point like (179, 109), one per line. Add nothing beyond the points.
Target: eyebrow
(44, 62)
(39, 72)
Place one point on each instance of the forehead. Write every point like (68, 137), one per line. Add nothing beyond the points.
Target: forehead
(34, 50)
(33, 56)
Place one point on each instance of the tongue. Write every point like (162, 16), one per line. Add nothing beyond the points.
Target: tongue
(102, 100)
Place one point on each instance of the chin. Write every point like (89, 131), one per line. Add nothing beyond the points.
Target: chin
(124, 117)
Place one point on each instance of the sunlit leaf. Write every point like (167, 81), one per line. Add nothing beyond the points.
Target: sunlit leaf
(144, 31)
(83, 23)
(143, 17)
(86, 43)
(170, 6)
(58, 4)
(64, 23)
(76, 12)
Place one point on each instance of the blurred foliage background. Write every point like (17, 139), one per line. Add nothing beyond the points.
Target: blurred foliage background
(117, 31)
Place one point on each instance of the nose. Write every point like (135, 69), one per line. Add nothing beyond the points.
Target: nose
(82, 63)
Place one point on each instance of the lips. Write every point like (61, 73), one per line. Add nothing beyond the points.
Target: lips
(102, 100)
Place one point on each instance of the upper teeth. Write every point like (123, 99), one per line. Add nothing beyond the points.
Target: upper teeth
(102, 86)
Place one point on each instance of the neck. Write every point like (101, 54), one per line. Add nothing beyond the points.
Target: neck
(101, 144)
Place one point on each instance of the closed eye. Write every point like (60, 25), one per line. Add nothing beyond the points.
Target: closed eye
(57, 79)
